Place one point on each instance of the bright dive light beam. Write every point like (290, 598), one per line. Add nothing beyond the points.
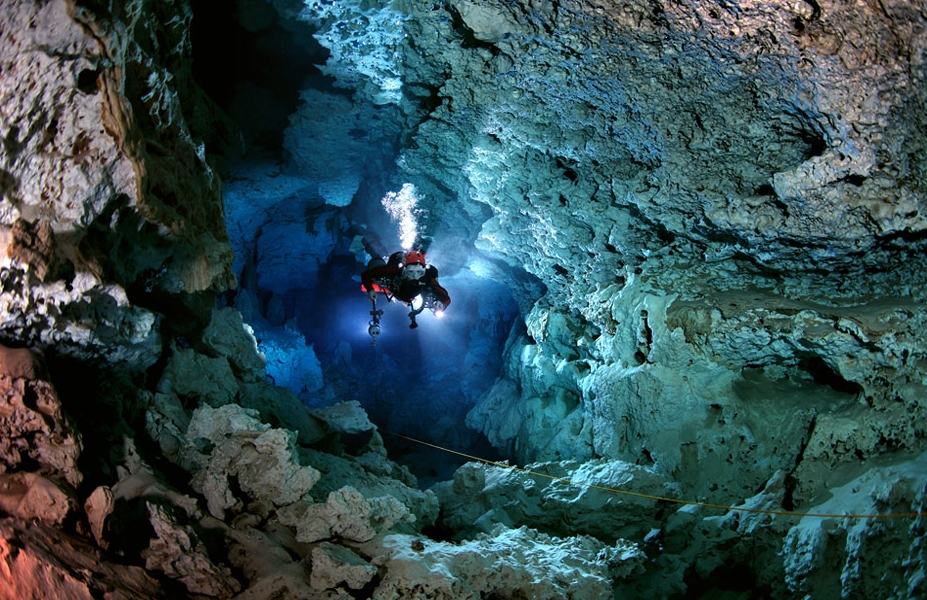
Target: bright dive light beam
(417, 302)
(439, 314)
(401, 208)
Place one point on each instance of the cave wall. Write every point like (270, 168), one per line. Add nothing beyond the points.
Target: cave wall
(725, 204)
(105, 193)
(144, 451)
(709, 215)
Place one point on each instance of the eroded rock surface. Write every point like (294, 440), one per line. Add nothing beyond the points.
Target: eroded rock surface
(563, 498)
(104, 190)
(177, 552)
(229, 443)
(508, 563)
(712, 216)
(35, 427)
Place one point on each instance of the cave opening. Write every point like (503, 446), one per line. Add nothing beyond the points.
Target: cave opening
(302, 194)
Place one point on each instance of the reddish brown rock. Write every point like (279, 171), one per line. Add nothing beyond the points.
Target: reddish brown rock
(30, 496)
(37, 433)
(39, 562)
(98, 507)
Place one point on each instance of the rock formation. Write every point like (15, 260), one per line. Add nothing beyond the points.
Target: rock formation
(693, 238)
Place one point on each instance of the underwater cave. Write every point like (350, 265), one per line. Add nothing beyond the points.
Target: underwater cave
(463, 299)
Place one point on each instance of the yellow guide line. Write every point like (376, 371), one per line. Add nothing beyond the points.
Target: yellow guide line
(711, 505)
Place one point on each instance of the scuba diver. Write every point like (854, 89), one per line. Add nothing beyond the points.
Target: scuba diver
(406, 277)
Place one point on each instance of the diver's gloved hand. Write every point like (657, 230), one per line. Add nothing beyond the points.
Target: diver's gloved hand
(371, 294)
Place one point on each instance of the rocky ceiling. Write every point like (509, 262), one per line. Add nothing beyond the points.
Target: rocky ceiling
(693, 238)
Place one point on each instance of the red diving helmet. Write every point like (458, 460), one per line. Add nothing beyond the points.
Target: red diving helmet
(414, 257)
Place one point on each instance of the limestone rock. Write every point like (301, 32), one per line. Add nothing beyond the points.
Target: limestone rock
(85, 318)
(35, 428)
(724, 292)
(258, 556)
(371, 478)
(179, 554)
(278, 406)
(228, 336)
(41, 562)
(346, 514)
(572, 500)
(166, 422)
(98, 507)
(137, 481)
(30, 496)
(508, 563)
(376, 462)
(195, 376)
(336, 565)
(364, 46)
(230, 442)
(345, 417)
(721, 203)
(89, 210)
(25, 575)
(288, 583)
(840, 558)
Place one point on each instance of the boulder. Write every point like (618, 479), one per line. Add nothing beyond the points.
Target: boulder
(35, 428)
(230, 337)
(333, 566)
(230, 443)
(177, 552)
(197, 377)
(566, 498)
(374, 477)
(98, 507)
(346, 514)
(508, 563)
(279, 407)
(345, 417)
(30, 496)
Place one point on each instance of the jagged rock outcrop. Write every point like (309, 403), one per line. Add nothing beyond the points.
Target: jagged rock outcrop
(179, 554)
(229, 336)
(40, 562)
(725, 207)
(229, 444)
(40, 446)
(347, 515)
(112, 248)
(229, 369)
(730, 237)
(36, 430)
(105, 193)
(711, 215)
(335, 565)
(831, 559)
(510, 563)
(365, 41)
(565, 498)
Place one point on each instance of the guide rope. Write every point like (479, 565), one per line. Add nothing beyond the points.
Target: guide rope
(709, 505)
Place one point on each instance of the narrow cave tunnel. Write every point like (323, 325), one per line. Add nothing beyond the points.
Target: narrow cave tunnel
(685, 252)
(305, 241)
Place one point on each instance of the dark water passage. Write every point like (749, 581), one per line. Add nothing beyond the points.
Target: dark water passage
(298, 257)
